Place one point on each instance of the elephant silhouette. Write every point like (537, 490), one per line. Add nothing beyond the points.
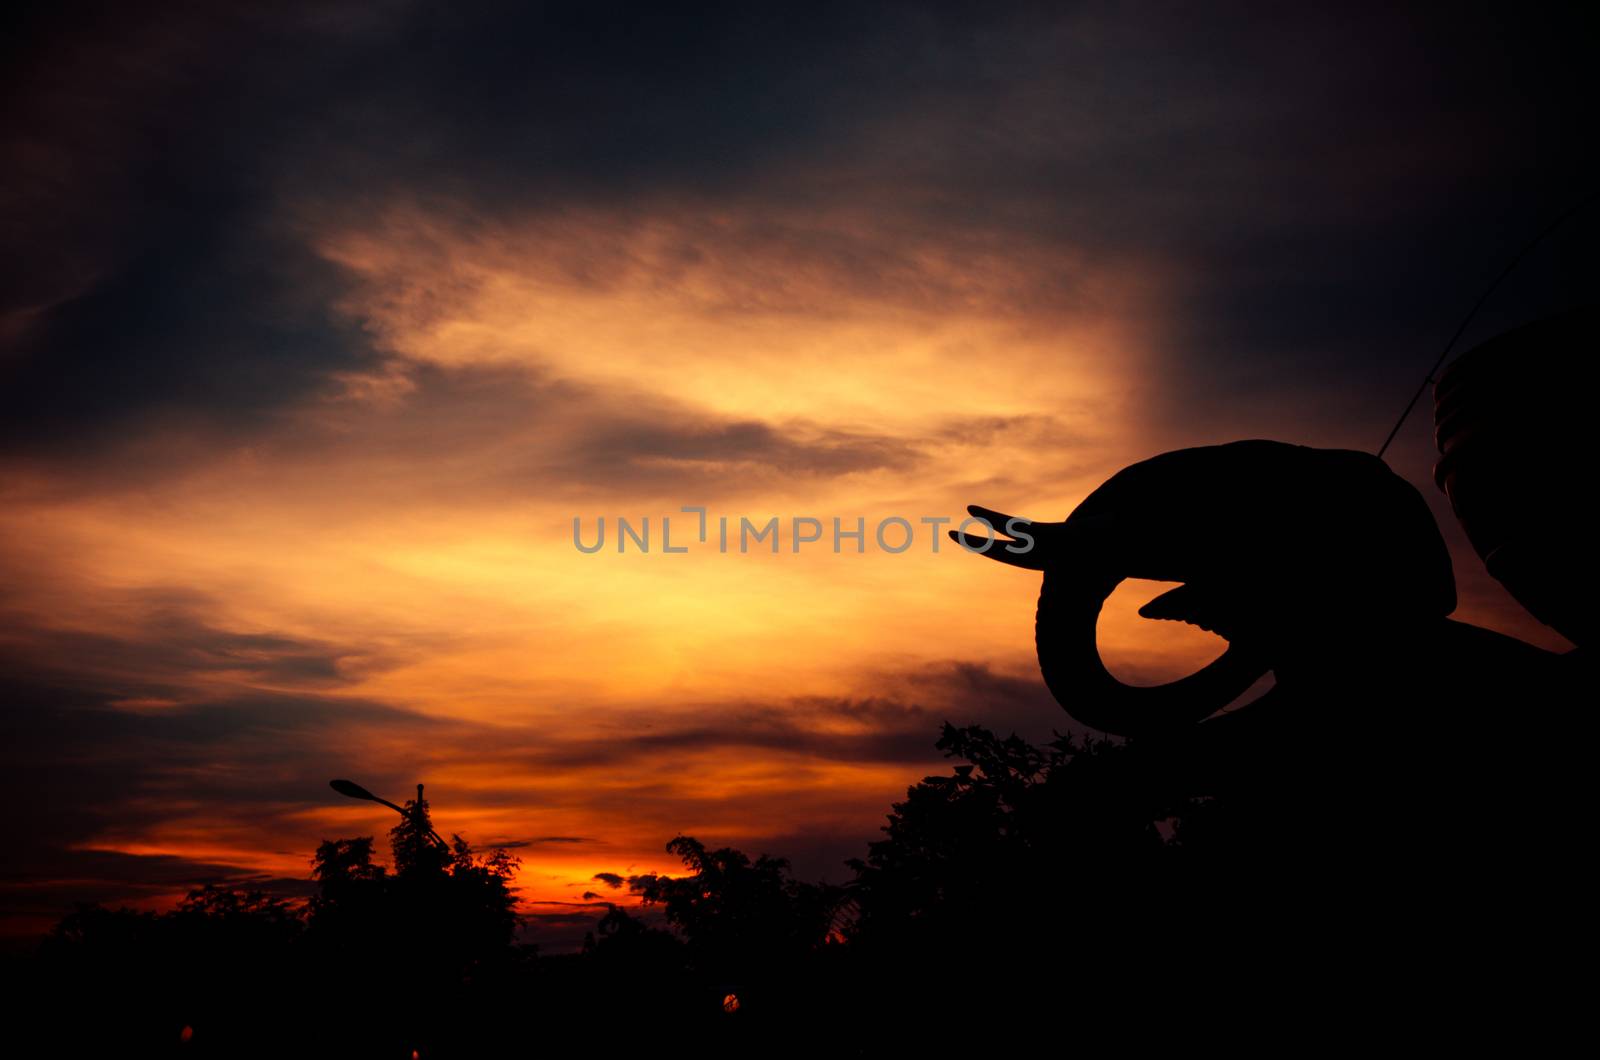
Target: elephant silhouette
(1411, 784)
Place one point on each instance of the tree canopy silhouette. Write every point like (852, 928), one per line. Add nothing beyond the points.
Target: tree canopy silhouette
(737, 913)
(452, 906)
(379, 960)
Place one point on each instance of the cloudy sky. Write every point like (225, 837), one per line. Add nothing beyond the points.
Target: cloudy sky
(321, 324)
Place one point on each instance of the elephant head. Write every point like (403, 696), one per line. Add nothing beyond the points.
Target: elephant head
(1283, 550)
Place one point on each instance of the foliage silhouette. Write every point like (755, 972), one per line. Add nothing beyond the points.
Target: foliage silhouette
(1086, 873)
(737, 913)
(735, 927)
(1069, 812)
(441, 909)
(376, 962)
(1025, 877)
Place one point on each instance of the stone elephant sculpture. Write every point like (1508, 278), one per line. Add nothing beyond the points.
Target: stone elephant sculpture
(1411, 787)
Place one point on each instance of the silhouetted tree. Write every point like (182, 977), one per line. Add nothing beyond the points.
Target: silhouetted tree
(216, 964)
(439, 891)
(751, 929)
(440, 927)
(1071, 817)
(734, 911)
(414, 844)
(1025, 877)
(625, 944)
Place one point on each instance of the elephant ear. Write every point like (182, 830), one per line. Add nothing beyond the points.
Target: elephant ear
(1069, 658)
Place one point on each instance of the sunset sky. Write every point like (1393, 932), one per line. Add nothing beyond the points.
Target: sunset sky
(322, 324)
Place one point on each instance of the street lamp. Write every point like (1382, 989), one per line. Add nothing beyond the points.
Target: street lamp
(351, 790)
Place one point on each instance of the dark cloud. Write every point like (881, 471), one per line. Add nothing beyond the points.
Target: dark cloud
(490, 430)
(610, 879)
(50, 882)
(887, 730)
(158, 281)
(173, 638)
(85, 771)
(199, 334)
(898, 724)
(515, 844)
(1322, 191)
(167, 165)
(122, 733)
(643, 449)
(85, 763)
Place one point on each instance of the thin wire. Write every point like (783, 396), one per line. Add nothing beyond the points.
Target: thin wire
(1524, 252)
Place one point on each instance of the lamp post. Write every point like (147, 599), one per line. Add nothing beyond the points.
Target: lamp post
(351, 790)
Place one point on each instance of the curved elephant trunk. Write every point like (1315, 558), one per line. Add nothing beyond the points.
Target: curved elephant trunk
(1069, 659)
(1278, 546)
